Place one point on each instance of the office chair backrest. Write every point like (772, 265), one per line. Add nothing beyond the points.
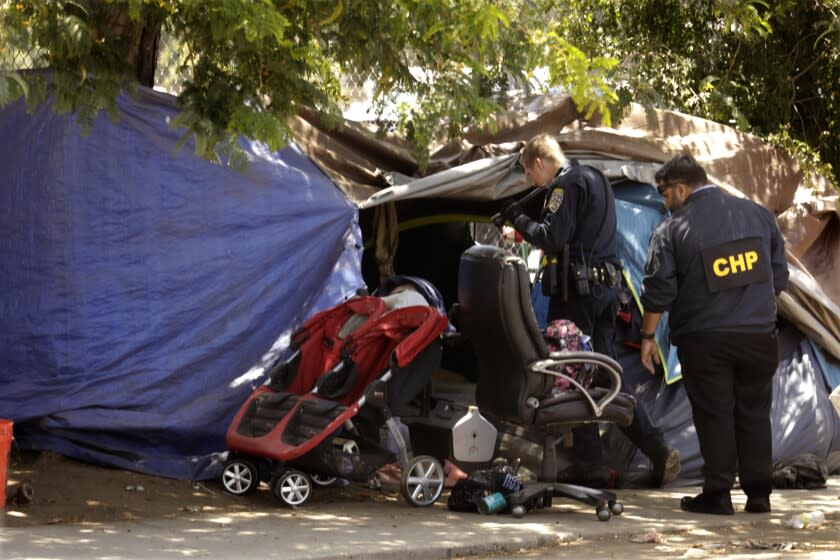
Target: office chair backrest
(496, 316)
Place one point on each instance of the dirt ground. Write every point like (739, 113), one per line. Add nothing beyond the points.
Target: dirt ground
(762, 541)
(67, 491)
(70, 491)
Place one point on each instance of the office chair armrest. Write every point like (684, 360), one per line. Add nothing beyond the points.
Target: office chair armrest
(558, 360)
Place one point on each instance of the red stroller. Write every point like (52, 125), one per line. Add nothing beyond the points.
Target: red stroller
(321, 413)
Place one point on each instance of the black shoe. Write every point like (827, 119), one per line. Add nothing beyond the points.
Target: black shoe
(760, 504)
(715, 504)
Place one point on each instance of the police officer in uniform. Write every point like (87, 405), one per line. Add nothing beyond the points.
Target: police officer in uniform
(716, 265)
(579, 220)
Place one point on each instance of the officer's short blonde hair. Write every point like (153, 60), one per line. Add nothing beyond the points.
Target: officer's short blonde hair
(541, 146)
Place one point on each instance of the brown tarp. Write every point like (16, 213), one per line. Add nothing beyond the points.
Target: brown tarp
(807, 207)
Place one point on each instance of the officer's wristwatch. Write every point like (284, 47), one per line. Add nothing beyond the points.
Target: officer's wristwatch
(647, 336)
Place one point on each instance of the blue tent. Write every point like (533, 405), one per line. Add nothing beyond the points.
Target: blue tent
(145, 290)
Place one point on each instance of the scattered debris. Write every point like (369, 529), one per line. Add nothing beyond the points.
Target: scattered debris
(652, 536)
(807, 520)
(21, 494)
(780, 546)
(200, 486)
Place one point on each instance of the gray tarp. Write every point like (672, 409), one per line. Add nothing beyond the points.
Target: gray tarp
(483, 166)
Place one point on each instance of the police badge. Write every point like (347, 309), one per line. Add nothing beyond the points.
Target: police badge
(555, 200)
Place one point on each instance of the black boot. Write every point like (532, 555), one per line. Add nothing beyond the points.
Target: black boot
(757, 504)
(715, 503)
(758, 496)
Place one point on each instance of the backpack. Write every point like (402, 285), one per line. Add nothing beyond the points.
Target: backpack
(562, 335)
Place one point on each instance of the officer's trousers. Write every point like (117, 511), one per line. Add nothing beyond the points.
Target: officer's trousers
(594, 315)
(728, 378)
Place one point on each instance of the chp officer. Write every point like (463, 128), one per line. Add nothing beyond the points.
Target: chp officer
(579, 220)
(716, 265)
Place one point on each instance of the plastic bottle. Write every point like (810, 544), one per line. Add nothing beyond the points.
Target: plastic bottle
(473, 438)
(806, 520)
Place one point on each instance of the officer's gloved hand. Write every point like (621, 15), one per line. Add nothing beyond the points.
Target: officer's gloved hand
(512, 212)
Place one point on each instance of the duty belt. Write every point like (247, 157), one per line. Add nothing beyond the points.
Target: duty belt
(602, 274)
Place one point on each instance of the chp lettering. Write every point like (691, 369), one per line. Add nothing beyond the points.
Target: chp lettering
(734, 264)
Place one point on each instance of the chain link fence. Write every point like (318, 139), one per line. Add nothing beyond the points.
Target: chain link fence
(506, 238)
(173, 71)
(15, 59)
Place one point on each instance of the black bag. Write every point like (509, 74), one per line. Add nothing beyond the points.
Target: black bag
(465, 495)
(467, 492)
(806, 471)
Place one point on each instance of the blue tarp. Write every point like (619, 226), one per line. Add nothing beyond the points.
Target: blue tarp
(142, 289)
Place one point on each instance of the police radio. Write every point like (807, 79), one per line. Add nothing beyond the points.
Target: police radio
(555, 275)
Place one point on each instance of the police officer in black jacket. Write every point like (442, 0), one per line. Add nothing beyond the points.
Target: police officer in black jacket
(579, 220)
(716, 265)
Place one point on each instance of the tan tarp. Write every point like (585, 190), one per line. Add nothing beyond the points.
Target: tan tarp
(483, 166)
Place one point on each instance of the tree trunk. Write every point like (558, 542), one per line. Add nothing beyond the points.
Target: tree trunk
(141, 38)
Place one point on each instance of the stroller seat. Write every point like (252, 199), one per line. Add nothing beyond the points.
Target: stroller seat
(317, 344)
(333, 428)
(517, 373)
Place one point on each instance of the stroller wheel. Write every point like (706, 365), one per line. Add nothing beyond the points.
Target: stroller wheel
(240, 477)
(422, 481)
(294, 488)
(321, 480)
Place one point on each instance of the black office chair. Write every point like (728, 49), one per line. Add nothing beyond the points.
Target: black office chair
(516, 373)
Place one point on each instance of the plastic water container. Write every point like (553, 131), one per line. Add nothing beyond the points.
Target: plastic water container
(473, 438)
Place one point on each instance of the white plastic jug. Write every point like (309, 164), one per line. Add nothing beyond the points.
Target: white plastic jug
(473, 438)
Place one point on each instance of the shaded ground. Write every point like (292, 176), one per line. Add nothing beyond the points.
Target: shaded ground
(764, 540)
(70, 491)
(140, 516)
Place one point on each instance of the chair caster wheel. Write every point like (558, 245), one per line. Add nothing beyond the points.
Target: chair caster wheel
(616, 508)
(603, 513)
(518, 512)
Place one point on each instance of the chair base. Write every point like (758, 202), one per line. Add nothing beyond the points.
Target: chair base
(540, 494)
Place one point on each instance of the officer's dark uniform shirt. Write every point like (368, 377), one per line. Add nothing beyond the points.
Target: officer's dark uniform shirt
(579, 210)
(716, 264)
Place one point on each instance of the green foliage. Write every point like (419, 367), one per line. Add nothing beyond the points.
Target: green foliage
(770, 67)
(251, 64)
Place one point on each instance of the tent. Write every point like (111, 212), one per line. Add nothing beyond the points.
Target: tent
(803, 418)
(480, 177)
(145, 290)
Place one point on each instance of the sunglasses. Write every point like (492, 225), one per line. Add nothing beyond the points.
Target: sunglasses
(664, 187)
